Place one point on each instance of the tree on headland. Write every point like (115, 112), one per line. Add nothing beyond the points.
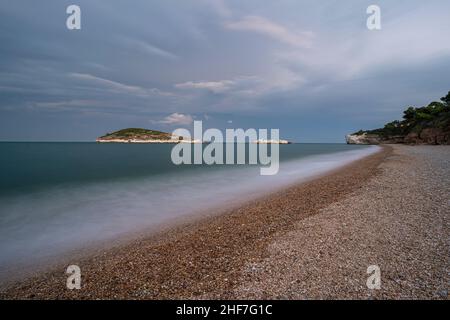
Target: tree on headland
(446, 99)
(435, 115)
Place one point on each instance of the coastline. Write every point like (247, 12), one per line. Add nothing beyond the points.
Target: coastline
(212, 230)
(145, 207)
(312, 240)
(398, 221)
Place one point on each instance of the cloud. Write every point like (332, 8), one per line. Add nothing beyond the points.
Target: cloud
(68, 103)
(177, 119)
(213, 86)
(271, 29)
(117, 86)
(241, 85)
(155, 60)
(404, 42)
(152, 49)
(234, 91)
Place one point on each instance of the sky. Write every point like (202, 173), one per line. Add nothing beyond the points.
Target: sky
(311, 69)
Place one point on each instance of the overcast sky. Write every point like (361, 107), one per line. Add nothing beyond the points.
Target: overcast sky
(310, 68)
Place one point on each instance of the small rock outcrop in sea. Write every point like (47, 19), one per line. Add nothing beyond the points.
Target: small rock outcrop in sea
(424, 125)
(271, 141)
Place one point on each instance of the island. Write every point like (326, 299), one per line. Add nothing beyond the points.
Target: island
(424, 125)
(271, 141)
(139, 135)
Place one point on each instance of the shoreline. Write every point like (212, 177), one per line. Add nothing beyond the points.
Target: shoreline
(195, 240)
(398, 221)
(20, 270)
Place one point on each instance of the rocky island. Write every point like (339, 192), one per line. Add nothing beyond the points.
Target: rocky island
(424, 125)
(138, 135)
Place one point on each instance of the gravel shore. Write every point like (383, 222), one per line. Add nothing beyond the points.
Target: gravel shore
(314, 240)
(399, 220)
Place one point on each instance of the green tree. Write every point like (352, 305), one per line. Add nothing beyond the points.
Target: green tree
(409, 113)
(446, 99)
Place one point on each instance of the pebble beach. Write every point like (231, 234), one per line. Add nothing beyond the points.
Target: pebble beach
(314, 240)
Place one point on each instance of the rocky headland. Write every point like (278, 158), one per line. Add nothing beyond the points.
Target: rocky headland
(424, 125)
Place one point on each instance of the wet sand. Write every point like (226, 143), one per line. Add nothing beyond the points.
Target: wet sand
(290, 244)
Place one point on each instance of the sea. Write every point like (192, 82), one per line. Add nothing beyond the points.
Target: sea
(61, 197)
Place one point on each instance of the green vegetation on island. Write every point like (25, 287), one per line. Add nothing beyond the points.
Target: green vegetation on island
(136, 134)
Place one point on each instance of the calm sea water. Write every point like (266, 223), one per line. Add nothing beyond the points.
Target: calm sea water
(56, 197)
